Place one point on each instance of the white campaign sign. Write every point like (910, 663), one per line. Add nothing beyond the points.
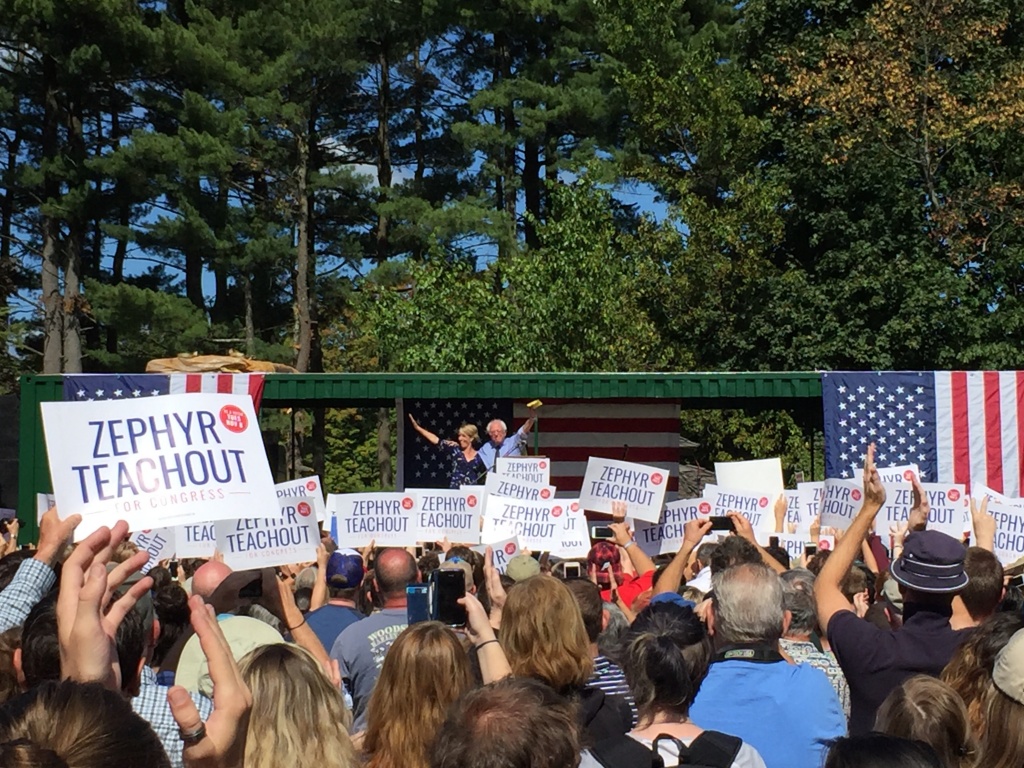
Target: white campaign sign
(793, 509)
(503, 551)
(761, 476)
(758, 508)
(308, 487)
(388, 519)
(43, 503)
(292, 537)
(1009, 543)
(949, 513)
(979, 492)
(543, 526)
(511, 488)
(158, 543)
(195, 540)
(899, 474)
(530, 469)
(665, 537)
(811, 496)
(157, 461)
(448, 513)
(793, 543)
(842, 500)
(640, 486)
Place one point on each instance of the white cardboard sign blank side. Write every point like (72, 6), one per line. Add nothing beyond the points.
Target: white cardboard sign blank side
(532, 469)
(157, 461)
(289, 538)
(308, 487)
(157, 542)
(448, 513)
(665, 537)
(642, 488)
(387, 519)
(757, 476)
(503, 552)
(195, 540)
(1009, 541)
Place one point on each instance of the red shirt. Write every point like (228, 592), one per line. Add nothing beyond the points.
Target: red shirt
(631, 589)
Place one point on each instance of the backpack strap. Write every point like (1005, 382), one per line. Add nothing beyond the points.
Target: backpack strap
(712, 749)
(623, 752)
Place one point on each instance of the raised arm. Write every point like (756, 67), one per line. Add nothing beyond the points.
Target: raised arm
(426, 433)
(984, 525)
(743, 528)
(828, 594)
(623, 536)
(672, 576)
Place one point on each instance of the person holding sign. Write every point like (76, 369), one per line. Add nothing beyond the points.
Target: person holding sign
(467, 466)
(500, 448)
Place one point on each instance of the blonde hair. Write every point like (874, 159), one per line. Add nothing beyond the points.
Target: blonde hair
(543, 634)
(425, 671)
(298, 717)
(470, 431)
(929, 710)
(1002, 744)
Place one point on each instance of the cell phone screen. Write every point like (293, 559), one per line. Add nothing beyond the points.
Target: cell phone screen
(722, 523)
(449, 588)
(810, 550)
(601, 532)
(417, 603)
(572, 570)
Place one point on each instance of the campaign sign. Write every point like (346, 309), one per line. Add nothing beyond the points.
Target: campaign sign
(389, 519)
(949, 512)
(540, 525)
(43, 503)
(665, 537)
(900, 474)
(530, 469)
(292, 537)
(195, 540)
(503, 551)
(1009, 542)
(640, 486)
(308, 487)
(811, 496)
(448, 513)
(792, 520)
(758, 508)
(841, 501)
(513, 488)
(157, 461)
(980, 491)
(572, 538)
(793, 543)
(158, 543)
(762, 476)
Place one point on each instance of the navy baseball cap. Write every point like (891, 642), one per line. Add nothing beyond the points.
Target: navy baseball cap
(345, 569)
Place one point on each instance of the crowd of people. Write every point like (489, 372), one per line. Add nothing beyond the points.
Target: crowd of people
(723, 655)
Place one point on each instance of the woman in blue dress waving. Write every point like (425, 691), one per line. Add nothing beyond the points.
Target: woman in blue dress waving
(467, 467)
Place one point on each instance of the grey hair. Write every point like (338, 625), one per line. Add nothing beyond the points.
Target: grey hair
(501, 423)
(747, 604)
(798, 599)
(612, 640)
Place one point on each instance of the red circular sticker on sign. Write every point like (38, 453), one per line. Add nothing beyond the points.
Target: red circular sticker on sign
(406, 503)
(556, 511)
(762, 502)
(303, 508)
(311, 485)
(908, 475)
(953, 494)
(575, 507)
(825, 545)
(471, 501)
(542, 464)
(510, 548)
(656, 478)
(704, 508)
(233, 418)
(855, 494)
(545, 494)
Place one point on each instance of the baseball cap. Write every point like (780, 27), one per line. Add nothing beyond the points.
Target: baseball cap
(602, 553)
(1008, 672)
(931, 562)
(458, 564)
(344, 569)
(522, 567)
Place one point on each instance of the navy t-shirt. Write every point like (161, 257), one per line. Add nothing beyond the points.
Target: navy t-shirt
(329, 621)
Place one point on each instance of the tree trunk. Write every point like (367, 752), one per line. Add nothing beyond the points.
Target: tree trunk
(53, 301)
(250, 325)
(387, 479)
(383, 152)
(532, 190)
(304, 326)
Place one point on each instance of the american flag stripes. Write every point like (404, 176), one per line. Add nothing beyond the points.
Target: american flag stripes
(127, 386)
(958, 426)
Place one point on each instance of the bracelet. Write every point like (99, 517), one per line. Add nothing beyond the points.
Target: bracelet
(292, 629)
(629, 544)
(486, 642)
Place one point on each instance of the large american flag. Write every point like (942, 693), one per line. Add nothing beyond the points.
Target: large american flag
(570, 431)
(128, 386)
(957, 426)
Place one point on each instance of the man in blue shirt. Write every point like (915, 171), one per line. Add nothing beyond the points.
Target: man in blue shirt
(498, 447)
(787, 712)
